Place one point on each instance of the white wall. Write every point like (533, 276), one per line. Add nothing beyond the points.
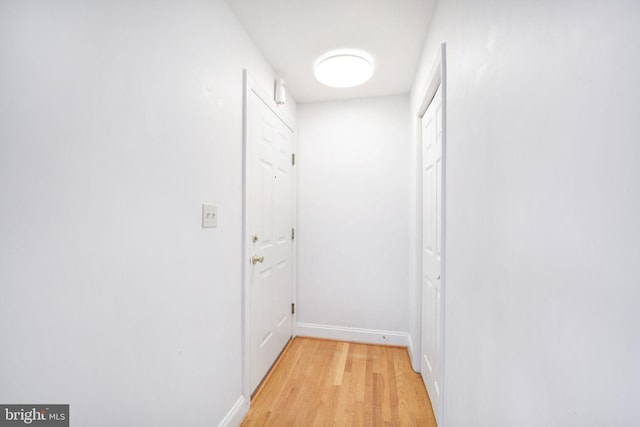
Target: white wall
(543, 272)
(118, 119)
(353, 209)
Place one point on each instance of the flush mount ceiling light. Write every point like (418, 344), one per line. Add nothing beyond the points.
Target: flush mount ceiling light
(344, 68)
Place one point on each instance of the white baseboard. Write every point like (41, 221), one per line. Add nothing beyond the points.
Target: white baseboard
(410, 346)
(414, 357)
(236, 414)
(342, 333)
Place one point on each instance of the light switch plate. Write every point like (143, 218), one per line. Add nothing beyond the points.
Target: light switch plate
(209, 216)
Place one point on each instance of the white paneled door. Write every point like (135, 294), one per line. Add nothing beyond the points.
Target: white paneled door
(432, 251)
(269, 222)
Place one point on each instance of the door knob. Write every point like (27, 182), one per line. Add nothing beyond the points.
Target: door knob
(254, 238)
(255, 259)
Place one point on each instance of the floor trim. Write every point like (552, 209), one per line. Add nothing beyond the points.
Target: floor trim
(236, 414)
(415, 358)
(343, 333)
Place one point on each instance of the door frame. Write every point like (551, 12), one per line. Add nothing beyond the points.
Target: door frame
(437, 79)
(249, 86)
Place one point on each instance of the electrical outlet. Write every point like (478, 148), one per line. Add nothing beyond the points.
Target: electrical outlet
(209, 216)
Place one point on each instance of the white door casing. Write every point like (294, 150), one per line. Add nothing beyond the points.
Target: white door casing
(432, 210)
(268, 253)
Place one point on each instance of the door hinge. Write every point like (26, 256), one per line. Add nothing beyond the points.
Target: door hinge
(293, 158)
(293, 308)
(293, 233)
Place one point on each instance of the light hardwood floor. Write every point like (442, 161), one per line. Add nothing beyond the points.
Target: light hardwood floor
(330, 383)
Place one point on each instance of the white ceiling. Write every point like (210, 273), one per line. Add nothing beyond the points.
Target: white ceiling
(293, 34)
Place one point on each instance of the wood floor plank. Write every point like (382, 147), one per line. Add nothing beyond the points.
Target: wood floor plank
(341, 362)
(329, 383)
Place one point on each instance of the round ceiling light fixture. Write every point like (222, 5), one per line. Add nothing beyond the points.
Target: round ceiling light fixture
(344, 68)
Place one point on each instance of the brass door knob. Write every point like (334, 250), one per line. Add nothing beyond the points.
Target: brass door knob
(257, 259)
